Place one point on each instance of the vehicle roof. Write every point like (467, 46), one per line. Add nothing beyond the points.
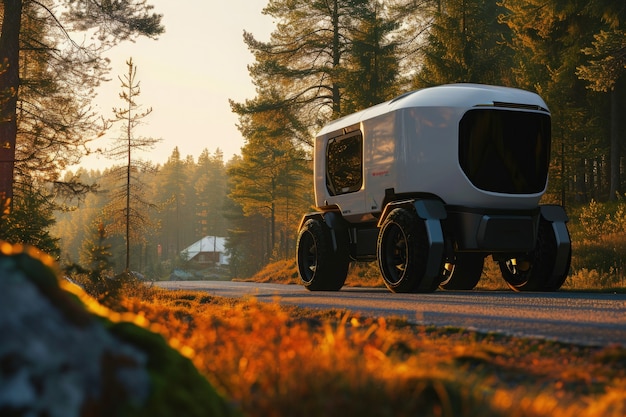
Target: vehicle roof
(448, 95)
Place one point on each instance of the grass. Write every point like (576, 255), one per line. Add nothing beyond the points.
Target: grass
(274, 360)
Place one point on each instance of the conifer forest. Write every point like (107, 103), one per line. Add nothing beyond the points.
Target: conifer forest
(324, 59)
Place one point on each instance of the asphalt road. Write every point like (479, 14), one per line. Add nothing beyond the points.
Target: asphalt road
(579, 318)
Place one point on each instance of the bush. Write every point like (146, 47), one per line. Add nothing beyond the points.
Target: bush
(108, 290)
(598, 219)
(598, 233)
(604, 256)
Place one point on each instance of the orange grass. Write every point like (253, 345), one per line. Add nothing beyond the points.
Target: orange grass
(285, 361)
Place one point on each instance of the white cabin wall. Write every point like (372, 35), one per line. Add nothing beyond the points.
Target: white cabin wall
(429, 156)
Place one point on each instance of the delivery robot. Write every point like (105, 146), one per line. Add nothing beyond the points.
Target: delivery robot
(429, 184)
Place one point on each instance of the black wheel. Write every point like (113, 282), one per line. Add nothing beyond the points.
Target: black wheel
(319, 266)
(403, 252)
(534, 270)
(464, 273)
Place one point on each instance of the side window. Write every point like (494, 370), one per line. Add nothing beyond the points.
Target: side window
(344, 163)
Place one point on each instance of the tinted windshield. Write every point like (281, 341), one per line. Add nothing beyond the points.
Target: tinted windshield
(505, 151)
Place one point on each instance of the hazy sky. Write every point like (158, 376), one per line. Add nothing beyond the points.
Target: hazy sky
(187, 77)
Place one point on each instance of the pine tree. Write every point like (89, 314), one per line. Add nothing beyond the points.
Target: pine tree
(273, 173)
(172, 198)
(466, 43)
(96, 251)
(128, 203)
(210, 193)
(605, 71)
(372, 65)
(46, 80)
(304, 59)
(31, 220)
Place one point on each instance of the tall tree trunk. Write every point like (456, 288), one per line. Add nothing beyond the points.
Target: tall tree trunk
(581, 185)
(9, 86)
(614, 187)
(336, 59)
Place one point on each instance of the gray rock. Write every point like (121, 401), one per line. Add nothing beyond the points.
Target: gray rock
(57, 359)
(49, 365)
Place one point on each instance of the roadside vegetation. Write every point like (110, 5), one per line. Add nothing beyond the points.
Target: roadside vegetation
(273, 360)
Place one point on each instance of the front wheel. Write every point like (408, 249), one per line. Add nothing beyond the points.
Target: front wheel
(320, 266)
(403, 252)
(534, 271)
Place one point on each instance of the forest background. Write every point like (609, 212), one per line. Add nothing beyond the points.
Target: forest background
(325, 59)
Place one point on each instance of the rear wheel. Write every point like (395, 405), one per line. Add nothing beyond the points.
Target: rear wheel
(534, 270)
(403, 252)
(464, 273)
(321, 268)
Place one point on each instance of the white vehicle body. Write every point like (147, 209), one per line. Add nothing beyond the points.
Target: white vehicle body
(410, 144)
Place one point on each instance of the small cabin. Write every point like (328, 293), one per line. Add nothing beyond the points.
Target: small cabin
(210, 250)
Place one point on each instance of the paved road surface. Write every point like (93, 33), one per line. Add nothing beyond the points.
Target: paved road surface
(581, 318)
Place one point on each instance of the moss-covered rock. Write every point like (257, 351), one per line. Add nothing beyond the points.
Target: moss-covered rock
(62, 354)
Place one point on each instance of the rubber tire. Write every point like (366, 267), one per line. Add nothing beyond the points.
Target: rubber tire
(542, 259)
(468, 268)
(319, 266)
(403, 251)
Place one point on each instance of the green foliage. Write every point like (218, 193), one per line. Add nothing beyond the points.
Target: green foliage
(30, 220)
(269, 184)
(606, 63)
(599, 243)
(172, 198)
(601, 219)
(114, 21)
(96, 251)
(591, 220)
(209, 182)
(466, 43)
(607, 60)
(325, 60)
(548, 40)
(603, 260)
(372, 65)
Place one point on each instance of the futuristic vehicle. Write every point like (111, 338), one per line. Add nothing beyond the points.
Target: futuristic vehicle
(429, 184)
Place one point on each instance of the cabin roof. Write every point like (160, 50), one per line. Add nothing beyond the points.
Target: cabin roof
(206, 244)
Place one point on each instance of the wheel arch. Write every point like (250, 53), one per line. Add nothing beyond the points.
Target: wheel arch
(333, 218)
(558, 219)
(427, 206)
